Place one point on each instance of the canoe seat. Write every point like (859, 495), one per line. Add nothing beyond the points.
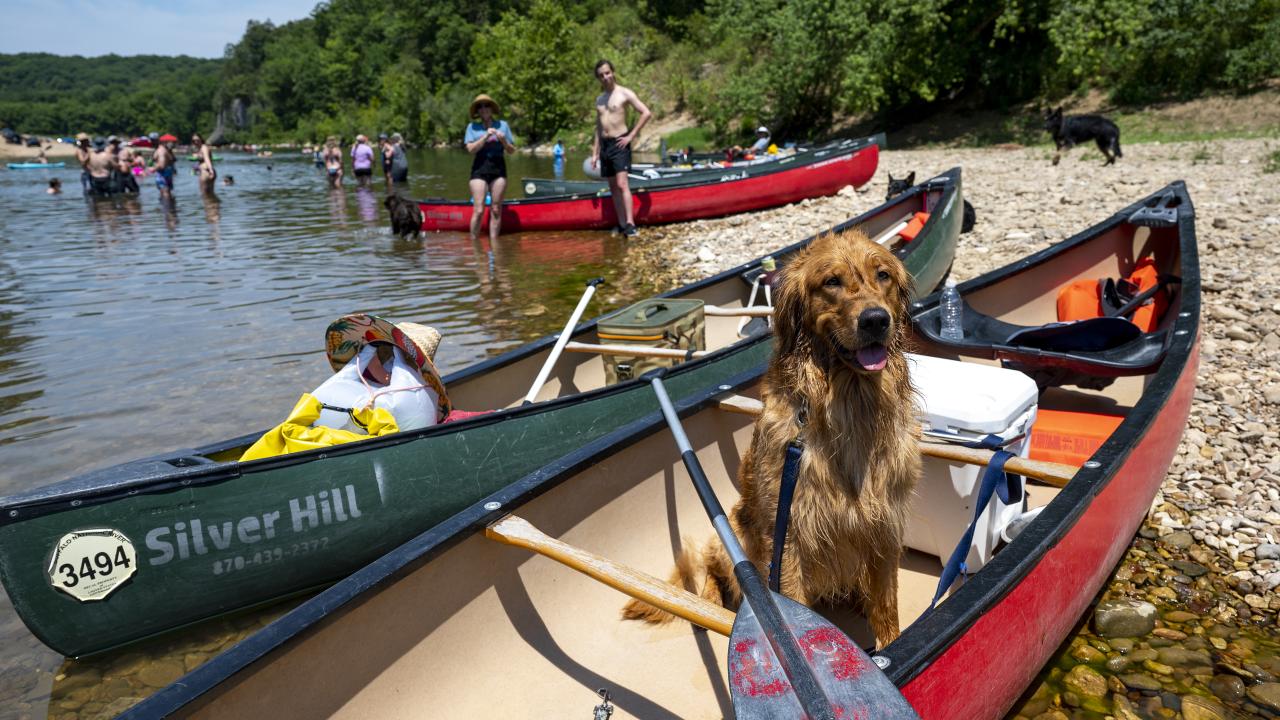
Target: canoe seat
(1089, 353)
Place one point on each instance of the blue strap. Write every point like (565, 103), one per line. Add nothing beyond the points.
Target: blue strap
(1009, 492)
(790, 473)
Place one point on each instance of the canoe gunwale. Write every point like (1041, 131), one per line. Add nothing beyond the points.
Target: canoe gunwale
(422, 549)
(928, 638)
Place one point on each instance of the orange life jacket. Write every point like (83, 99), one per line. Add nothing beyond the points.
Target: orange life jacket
(914, 226)
(1082, 299)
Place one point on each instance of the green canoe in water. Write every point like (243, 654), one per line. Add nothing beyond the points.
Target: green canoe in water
(138, 549)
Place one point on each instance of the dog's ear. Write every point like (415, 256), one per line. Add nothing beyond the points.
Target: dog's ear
(890, 179)
(910, 179)
(788, 307)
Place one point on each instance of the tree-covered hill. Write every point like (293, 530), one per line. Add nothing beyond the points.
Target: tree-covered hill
(797, 66)
(58, 95)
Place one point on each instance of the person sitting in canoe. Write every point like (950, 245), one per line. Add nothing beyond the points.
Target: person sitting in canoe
(384, 382)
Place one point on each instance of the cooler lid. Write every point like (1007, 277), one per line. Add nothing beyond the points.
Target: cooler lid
(967, 396)
(648, 314)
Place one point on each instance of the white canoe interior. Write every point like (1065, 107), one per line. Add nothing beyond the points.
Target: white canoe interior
(489, 630)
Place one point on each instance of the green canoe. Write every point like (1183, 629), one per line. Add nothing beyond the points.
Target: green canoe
(137, 549)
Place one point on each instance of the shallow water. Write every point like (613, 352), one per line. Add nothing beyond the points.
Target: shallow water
(128, 327)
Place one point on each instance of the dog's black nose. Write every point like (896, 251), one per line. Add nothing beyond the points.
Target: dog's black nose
(874, 322)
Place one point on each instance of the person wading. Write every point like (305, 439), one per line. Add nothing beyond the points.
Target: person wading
(611, 149)
(489, 140)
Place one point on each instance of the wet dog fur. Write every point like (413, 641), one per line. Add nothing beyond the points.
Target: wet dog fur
(901, 185)
(406, 216)
(1071, 130)
(840, 327)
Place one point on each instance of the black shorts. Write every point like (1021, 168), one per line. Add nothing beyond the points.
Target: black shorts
(364, 172)
(488, 168)
(613, 159)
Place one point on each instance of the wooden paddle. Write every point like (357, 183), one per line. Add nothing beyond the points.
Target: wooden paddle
(1050, 473)
(562, 340)
(785, 660)
(516, 531)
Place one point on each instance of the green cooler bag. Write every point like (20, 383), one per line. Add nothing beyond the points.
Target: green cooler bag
(657, 322)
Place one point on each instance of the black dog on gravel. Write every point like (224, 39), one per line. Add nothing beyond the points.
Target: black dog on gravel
(901, 185)
(406, 216)
(1070, 130)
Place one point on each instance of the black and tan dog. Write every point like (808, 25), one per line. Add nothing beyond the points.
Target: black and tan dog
(406, 216)
(1071, 130)
(838, 381)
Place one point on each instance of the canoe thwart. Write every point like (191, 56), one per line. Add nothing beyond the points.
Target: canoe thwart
(1055, 474)
(633, 350)
(513, 530)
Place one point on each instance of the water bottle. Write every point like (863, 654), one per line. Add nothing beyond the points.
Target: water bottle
(952, 312)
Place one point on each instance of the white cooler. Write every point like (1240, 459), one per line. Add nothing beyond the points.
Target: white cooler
(970, 401)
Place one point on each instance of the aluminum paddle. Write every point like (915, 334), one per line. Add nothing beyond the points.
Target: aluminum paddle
(785, 660)
(562, 340)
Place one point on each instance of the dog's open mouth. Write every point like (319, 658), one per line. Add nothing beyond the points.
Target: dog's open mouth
(871, 358)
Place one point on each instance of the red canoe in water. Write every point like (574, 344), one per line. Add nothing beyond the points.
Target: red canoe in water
(821, 173)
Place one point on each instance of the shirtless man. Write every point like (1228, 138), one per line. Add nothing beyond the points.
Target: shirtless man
(126, 160)
(82, 157)
(163, 165)
(611, 147)
(101, 162)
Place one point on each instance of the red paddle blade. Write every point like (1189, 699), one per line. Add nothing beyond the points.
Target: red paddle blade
(852, 683)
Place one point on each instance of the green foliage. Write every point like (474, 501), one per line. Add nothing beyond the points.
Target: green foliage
(1273, 162)
(696, 137)
(1146, 50)
(54, 95)
(536, 67)
(796, 66)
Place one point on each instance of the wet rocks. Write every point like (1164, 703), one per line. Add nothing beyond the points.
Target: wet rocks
(1124, 618)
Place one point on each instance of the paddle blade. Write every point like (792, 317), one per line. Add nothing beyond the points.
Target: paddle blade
(855, 687)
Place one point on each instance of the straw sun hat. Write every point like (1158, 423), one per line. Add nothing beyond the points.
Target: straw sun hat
(347, 336)
(482, 99)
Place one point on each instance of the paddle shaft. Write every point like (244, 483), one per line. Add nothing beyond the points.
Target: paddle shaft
(562, 340)
(518, 532)
(785, 646)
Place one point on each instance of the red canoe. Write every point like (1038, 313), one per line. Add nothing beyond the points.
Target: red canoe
(825, 172)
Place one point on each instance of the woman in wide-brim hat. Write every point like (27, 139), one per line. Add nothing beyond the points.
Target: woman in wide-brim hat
(490, 141)
(348, 335)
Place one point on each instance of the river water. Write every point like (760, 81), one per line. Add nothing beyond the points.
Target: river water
(128, 327)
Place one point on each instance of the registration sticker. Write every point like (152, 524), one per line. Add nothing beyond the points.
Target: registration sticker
(91, 564)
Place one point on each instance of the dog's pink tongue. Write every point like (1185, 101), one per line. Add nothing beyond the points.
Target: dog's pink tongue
(872, 357)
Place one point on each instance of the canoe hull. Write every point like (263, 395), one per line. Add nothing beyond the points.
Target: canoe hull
(670, 204)
(1011, 641)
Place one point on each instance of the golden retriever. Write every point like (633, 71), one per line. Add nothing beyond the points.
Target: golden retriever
(838, 382)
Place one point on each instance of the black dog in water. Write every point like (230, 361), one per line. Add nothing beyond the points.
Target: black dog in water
(901, 185)
(406, 216)
(1069, 130)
